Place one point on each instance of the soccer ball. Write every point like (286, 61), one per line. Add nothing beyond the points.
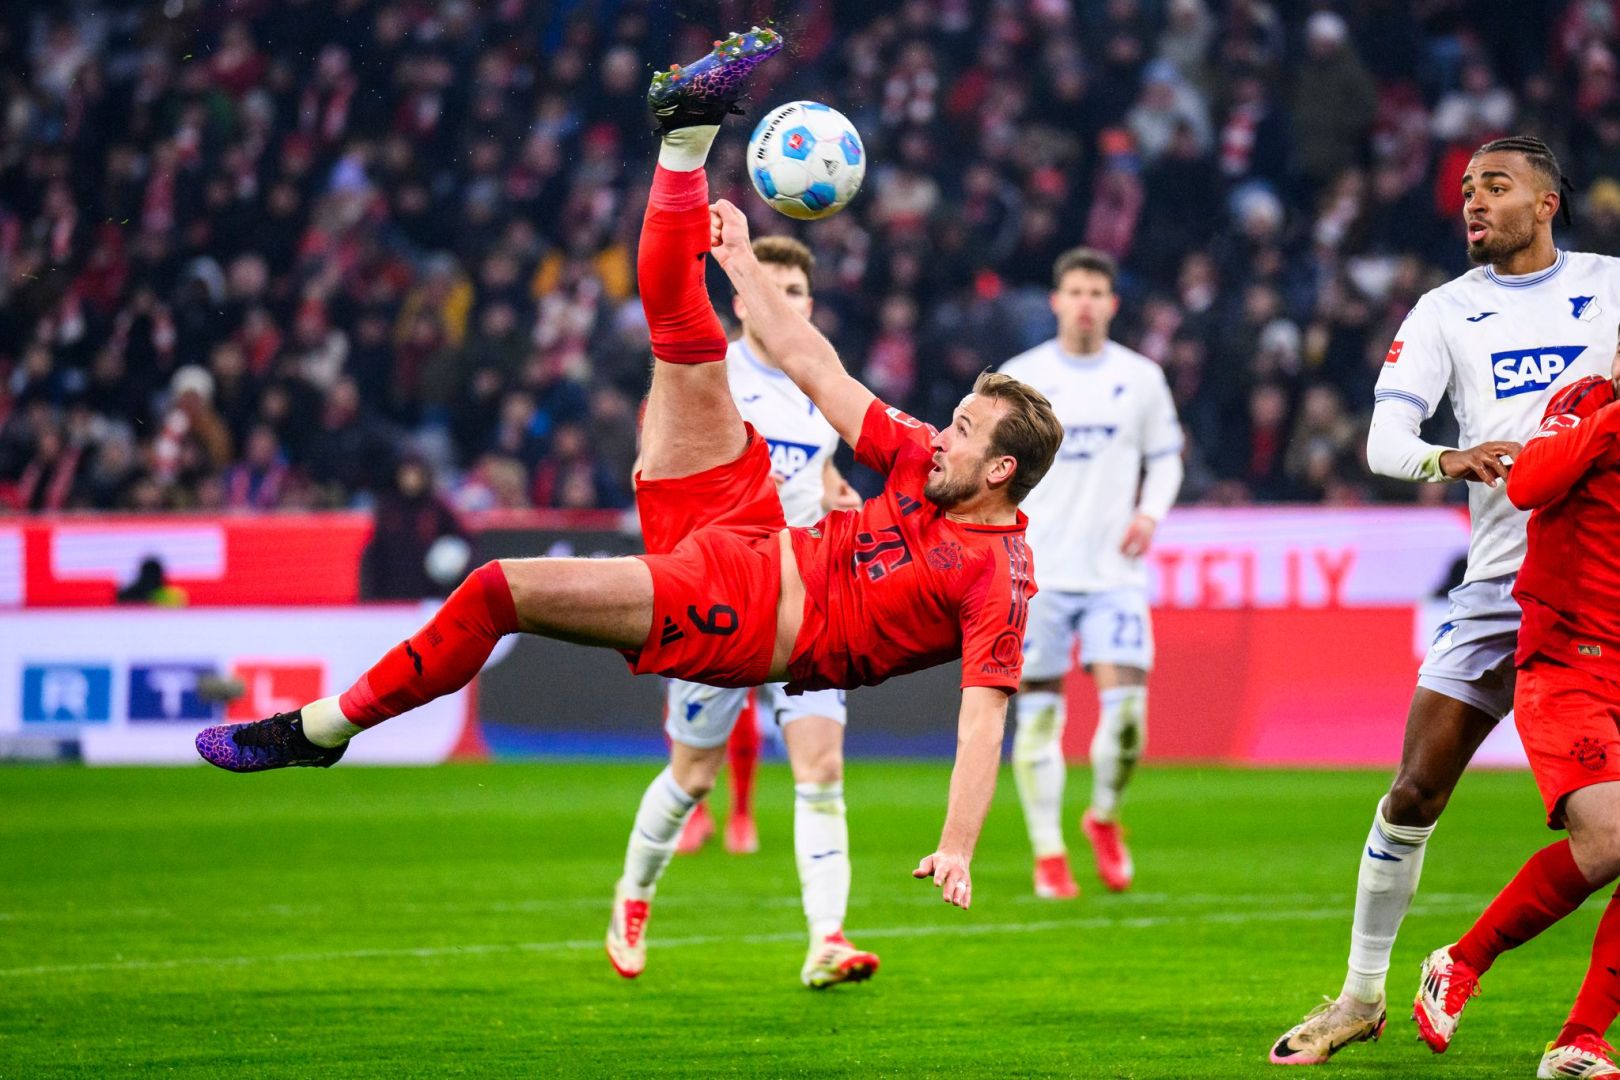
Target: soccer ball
(446, 560)
(806, 160)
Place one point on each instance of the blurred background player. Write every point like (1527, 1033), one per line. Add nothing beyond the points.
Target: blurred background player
(1496, 341)
(1091, 520)
(1567, 709)
(701, 719)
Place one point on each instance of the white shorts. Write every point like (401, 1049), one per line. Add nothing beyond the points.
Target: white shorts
(1113, 626)
(702, 716)
(1471, 657)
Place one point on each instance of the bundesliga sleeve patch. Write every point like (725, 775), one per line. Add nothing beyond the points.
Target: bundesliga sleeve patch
(1394, 353)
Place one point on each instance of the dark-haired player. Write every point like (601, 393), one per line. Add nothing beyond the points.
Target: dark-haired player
(933, 569)
(1567, 708)
(1498, 342)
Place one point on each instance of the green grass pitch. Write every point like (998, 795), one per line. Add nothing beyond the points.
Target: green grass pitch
(448, 922)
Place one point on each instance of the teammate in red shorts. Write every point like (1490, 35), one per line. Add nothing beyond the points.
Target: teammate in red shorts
(1567, 707)
(933, 569)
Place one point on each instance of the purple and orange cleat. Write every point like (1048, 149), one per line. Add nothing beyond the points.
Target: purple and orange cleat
(276, 743)
(706, 90)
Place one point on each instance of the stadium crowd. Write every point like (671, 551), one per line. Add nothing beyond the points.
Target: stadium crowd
(286, 253)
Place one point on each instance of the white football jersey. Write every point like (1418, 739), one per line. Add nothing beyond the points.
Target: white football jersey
(1116, 412)
(800, 438)
(1500, 347)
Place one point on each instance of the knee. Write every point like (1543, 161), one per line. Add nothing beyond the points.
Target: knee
(1415, 801)
(825, 766)
(1597, 853)
(695, 770)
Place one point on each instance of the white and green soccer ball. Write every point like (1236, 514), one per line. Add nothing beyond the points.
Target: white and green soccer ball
(806, 160)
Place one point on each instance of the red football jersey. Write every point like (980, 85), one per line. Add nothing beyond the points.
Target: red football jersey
(896, 586)
(1569, 586)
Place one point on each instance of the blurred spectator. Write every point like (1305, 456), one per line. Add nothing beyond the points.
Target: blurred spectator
(409, 517)
(251, 253)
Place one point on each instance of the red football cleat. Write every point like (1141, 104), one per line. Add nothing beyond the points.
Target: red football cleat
(742, 838)
(1108, 845)
(1053, 880)
(697, 830)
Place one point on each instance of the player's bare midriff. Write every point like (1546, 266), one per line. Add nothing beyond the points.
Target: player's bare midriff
(789, 609)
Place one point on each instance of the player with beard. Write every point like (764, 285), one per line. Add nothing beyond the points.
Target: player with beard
(933, 569)
(1498, 342)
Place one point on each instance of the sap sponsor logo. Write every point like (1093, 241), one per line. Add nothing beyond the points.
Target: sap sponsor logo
(1084, 441)
(788, 458)
(54, 693)
(1522, 371)
(168, 691)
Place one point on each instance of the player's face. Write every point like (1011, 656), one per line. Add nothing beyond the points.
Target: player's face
(1084, 303)
(1501, 197)
(962, 462)
(793, 284)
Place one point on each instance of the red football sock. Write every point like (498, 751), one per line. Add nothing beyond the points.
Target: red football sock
(669, 270)
(742, 752)
(1548, 887)
(441, 657)
(1599, 1000)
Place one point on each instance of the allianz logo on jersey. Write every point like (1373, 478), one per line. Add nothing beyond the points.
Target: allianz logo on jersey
(1519, 371)
(788, 458)
(1082, 441)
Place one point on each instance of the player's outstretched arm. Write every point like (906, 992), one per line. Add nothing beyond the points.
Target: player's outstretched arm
(979, 730)
(796, 346)
(1562, 450)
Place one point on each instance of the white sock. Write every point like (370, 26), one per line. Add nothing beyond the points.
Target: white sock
(1038, 766)
(821, 848)
(325, 724)
(686, 149)
(1391, 863)
(664, 809)
(1115, 748)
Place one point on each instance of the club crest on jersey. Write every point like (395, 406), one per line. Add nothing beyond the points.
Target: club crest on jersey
(1584, 308)
(1521, 371)
(1081, 442)
(788, 458)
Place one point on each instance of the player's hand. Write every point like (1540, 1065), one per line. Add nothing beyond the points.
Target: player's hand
(1138, 537)
(841, 497)
(728, 232)
(950, 874)
(1482, 463)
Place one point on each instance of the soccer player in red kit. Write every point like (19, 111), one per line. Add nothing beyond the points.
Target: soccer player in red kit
(933, 569)
(1567, 707)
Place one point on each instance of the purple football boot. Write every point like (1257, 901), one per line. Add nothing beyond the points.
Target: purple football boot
(706, 90)
(276, 743)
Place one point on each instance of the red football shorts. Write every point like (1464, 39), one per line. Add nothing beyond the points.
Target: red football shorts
(716, 570)
(1569, 722)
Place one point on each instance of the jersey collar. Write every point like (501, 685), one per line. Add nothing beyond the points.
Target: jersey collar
(1080, 360)
(764, 368)
(1020, 523)
(1524, 281)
